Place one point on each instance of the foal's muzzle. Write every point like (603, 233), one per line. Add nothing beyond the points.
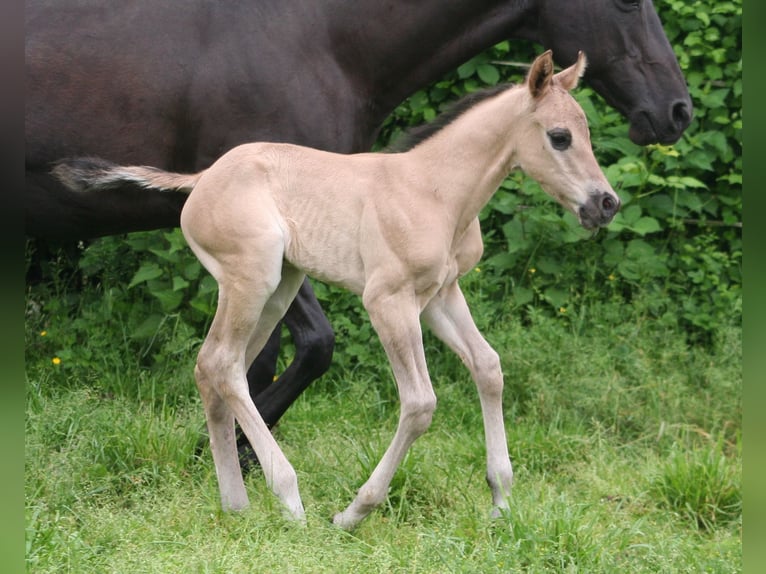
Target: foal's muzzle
(599, 210)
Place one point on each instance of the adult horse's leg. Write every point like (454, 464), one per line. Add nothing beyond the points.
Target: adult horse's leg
(314, 342)
(396, 320)
(260, 376)
(261, 373)
(450, 319)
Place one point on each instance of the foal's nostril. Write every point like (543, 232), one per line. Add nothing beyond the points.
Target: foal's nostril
(608, 204)
(681, 114)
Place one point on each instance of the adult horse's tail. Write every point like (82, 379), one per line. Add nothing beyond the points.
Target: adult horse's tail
(93, 174)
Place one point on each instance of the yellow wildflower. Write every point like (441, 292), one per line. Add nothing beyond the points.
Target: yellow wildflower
(43, 333)
(56, 361)
(562, 309)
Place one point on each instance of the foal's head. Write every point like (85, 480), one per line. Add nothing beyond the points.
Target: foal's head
(555, 144)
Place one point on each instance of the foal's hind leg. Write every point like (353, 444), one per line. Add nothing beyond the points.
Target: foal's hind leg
(250, 305)
(450, 319)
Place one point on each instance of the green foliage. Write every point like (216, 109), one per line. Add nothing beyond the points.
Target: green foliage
(702, 483)
(171, 273)
(148, 288)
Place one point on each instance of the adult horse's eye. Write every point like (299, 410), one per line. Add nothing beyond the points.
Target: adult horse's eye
(561, 138)
(628, 4)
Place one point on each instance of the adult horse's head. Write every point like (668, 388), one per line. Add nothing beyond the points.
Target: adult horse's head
(630, 61)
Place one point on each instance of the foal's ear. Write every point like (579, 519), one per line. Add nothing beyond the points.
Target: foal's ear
(569, 78)
(540, 74)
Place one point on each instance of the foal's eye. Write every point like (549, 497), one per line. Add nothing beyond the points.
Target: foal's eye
(561, 138)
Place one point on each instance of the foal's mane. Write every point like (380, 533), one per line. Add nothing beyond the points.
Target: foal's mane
(418, 134)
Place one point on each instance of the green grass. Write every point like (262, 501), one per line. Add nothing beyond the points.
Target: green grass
(625, 441)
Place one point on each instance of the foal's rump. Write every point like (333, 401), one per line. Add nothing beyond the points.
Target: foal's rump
(299, 203)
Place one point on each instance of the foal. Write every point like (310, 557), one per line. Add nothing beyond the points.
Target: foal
(398, 229)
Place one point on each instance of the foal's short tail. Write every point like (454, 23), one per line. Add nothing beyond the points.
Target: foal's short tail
(93, 174)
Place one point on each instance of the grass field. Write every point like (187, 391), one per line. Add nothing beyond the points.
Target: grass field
(625, 440)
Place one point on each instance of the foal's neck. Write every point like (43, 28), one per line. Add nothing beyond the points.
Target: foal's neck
(468, 159)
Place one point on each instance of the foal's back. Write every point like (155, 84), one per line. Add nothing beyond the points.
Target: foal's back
(330, 212)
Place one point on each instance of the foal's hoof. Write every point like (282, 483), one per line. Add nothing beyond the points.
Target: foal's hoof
(499, 512)
(344, 521)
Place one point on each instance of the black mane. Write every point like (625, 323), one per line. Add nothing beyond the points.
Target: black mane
(418, 134)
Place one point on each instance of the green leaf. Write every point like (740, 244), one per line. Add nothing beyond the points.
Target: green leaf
(549, 265)
(467, 69)
(418, 101)
(148, 328)
(522, 295)
(646, 225)
(715, 99)
(202, 306)
(514, 234)
(628, 216)
(556, 297)
(501, 261)
(179, 283)
(692, 182)
(170, 300)
(146, 272)
(488, 74)
(717, 140)
(207, 285)
(613, 252)
(192, 270)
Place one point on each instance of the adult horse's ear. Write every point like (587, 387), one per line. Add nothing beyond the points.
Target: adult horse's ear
(569, 78)
(540, 74)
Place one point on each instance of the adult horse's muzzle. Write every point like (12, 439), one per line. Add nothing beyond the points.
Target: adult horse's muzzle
(599, 210)
(664, 128)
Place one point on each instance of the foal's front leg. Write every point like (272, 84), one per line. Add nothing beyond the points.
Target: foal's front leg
(397, 322)
(450, 319)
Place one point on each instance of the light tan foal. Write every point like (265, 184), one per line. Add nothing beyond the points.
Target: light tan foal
(397, 229)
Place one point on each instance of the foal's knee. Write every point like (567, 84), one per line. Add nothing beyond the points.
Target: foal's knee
(488, 372)
(417, 414)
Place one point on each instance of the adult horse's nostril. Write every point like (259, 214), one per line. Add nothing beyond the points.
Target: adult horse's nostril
(681, 113)
(608, 204)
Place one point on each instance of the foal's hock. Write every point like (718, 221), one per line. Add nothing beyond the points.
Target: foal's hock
(399, 229)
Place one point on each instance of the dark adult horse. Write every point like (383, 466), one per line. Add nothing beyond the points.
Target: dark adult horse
(176, 84)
